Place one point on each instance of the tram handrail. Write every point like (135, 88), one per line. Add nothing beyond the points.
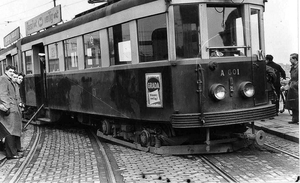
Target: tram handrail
(227, 47)
(33, 117)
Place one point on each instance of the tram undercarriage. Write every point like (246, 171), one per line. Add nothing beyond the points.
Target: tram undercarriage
(163, 139)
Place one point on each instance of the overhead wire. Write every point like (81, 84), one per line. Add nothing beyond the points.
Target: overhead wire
(26, 11)
(11, 21)
(7, 3)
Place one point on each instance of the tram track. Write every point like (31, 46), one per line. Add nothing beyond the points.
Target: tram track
(282, 151)
(121, 164)
(219, 170)
(108, 166)
(17, 167)
(36, 165)
(29, 156)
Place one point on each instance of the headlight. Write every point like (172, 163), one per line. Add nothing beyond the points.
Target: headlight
(247, 89)
(217, 91)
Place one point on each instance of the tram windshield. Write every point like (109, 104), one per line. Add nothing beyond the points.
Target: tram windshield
(225, 31)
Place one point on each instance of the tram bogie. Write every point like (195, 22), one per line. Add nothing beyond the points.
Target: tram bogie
(185, 77)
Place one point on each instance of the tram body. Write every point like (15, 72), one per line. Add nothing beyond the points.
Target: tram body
(184, 77)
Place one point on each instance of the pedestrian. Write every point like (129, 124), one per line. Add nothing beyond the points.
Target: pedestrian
(18, 78)
(276, 83)
(292, 101)
(10, 116)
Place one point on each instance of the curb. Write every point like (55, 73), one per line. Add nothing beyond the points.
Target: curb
(279, 134)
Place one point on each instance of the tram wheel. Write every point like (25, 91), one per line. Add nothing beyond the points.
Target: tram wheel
(106, 127)
(144, 138)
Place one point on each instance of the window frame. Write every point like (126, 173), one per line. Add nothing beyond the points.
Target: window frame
(85, 51)
(25, 61)
(56, 44)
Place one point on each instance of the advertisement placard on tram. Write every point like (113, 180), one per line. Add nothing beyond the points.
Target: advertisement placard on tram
(154, 90)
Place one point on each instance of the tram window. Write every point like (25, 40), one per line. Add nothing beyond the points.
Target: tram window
(53, 57)
(152, 35)
(186, 30)
(225, 31)
(119, 44)
(28, 62)
(71, 56)
(92, 50)
(254, 25)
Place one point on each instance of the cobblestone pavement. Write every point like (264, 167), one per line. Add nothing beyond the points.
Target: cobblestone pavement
(137, 166)
(254, 164)
(9, 168)
(64, 156)
(258, 164)
(71, 155)
(283, 144)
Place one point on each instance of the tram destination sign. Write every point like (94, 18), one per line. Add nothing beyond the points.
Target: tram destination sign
(12, 37)
(44, 20)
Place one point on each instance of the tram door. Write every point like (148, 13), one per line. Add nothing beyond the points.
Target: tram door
(40, 70)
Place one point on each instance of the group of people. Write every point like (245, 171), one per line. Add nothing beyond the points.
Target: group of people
(292, 98)
(11, 108)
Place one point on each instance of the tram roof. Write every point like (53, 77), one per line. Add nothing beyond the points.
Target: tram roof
(88, 16)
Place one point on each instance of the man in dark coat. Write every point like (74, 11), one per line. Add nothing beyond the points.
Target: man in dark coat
(279, 73)
(292, 101)
(10, 117)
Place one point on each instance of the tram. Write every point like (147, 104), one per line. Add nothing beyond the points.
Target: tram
(163, 76)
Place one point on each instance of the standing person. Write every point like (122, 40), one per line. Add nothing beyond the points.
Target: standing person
(10, 113)
(276, 83)
(292, 101)
(17, 79)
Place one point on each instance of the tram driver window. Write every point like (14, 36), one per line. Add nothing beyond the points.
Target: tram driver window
(71, 54)
(152, 38)
(186, 30)
(225, 31)
(53, 57)
(255, 33)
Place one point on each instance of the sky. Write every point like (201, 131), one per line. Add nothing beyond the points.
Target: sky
(281, 21)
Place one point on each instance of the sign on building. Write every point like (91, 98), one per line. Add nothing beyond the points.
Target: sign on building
(44, 20)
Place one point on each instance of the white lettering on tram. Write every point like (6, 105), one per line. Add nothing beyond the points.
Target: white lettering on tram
(231, 72)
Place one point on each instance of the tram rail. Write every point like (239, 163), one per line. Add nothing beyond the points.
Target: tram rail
(29, 156)
(280, 150)
(107, 163)
(21, 166)
(221, 172)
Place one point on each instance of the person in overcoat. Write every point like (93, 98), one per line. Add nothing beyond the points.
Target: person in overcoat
(292, 101)
(18, 78)
(10, 117)
(280, 73)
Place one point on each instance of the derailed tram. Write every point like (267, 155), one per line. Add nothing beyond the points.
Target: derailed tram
(164, 76)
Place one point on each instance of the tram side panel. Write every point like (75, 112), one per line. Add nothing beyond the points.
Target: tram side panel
(116, 93)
